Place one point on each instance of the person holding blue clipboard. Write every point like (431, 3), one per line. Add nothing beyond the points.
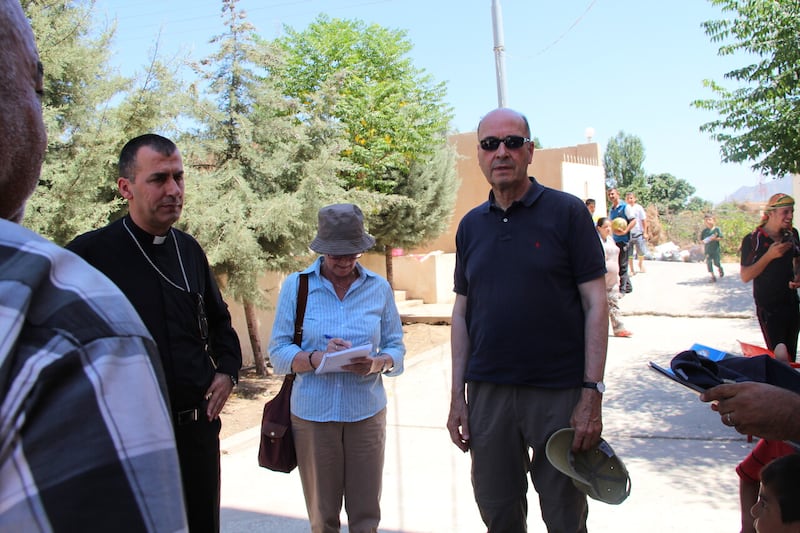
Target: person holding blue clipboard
(339, 418)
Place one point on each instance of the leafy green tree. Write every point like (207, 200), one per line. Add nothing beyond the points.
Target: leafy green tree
(431, 188)
(668, 193)
(699, 205)
(261, 173)
(421, 207)
(89, 113)
(623, 161)
(760, 115)
(394, 117)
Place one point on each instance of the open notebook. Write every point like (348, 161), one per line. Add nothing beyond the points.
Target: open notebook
(334, 361)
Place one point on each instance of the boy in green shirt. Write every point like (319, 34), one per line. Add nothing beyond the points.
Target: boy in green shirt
(711, 235)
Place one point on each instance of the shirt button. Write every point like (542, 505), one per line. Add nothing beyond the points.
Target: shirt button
(505, 220)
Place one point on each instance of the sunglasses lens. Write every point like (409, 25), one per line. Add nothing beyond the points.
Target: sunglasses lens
(490, 143)
(514, 141)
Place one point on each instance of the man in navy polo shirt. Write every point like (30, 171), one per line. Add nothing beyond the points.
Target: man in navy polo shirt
(529, 334)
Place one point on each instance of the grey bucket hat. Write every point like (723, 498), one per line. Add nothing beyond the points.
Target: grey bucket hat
(598, 473)
(340, 231)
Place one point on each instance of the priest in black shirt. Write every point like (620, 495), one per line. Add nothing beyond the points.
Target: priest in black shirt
(165, 274)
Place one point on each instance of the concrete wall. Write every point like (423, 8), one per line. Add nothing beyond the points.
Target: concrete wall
(426, 277)
(473, 190)
(270, 284)
(573, 169)
(586, 181)
(796, 196)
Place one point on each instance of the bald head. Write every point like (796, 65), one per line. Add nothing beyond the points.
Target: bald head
(508, 114)
(22, 133)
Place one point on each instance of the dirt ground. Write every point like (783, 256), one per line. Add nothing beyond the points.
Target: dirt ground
(243, 409)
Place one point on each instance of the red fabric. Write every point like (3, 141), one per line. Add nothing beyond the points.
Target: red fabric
(751, 350)
(764, 452)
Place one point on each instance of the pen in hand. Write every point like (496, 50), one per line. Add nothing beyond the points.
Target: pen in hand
(337, 342)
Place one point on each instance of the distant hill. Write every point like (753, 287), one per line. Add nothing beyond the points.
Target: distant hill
(762, 192)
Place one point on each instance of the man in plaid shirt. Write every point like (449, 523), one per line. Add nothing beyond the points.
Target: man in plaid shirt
(86, 441)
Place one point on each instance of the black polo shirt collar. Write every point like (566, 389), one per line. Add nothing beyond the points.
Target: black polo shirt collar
(533, 193)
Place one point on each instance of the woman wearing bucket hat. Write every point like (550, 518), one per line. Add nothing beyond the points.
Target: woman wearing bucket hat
(769, 257)
(339, 418)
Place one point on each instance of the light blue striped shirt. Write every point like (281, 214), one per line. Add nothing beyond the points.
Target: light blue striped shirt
(367, 314)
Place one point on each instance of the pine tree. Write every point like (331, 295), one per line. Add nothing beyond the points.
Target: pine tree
(259, 172)
(422, 205)
(89, 114)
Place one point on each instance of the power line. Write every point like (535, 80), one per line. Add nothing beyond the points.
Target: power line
(564, 34)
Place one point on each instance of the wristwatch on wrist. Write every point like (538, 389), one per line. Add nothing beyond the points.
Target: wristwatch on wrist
(599, 386)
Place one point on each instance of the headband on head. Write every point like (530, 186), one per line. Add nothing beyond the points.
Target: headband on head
(779, 200)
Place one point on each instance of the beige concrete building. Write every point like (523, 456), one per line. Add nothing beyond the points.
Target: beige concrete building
(427, 273)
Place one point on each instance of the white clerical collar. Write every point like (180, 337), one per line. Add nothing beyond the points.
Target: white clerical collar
(160, 240)
(143, 234)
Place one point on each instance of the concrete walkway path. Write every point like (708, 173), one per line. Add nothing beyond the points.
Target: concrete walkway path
(680, 457)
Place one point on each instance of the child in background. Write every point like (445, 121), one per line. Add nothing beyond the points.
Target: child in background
(612, 277)
(710, 236)
(777, 509)
(749, 471)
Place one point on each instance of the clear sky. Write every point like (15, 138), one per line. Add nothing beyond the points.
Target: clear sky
(630, 65)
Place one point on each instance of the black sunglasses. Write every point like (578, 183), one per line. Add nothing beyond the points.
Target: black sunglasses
(512, 142)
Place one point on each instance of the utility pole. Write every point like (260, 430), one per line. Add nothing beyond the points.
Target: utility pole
(499, 53)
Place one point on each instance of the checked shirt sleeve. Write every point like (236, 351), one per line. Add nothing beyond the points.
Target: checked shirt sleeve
(86, 442)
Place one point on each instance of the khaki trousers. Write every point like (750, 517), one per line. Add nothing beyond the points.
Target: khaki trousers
(341, 460)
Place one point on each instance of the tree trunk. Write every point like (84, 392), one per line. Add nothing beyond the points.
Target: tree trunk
(252, 331)
(389, 268)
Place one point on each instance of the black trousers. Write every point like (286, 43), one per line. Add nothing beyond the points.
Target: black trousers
(198, 453)
(780, 324)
